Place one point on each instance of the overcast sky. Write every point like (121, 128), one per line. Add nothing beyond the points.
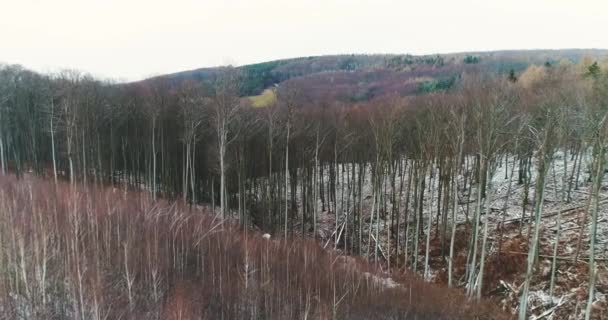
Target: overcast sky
(134, 39)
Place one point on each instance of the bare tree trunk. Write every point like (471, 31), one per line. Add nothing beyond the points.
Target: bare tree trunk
(457, 167)
(361, 181)
(314, 187)
(475, 235)
(379, 199)
(71, 162)
(485, 231)
(337, 208)
(192, 172)
(577, 157)
(371, 219)
(286, 176)
(407, 216)
(185, 172)
(153, 159)
(428, 230)
(565, 177)
(418, 204)
(269, 183)
(453, 236)
(554, 262)
(84, 162)
(581, 232)
(222, 147)
(2, 156)
(505, 206)
(52, 151)
(527, 178)
(538, 210)
(599, 174)
(212, 195)
(401, 181)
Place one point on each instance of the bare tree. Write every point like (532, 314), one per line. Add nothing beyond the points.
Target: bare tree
(546, 144)
(225, 106)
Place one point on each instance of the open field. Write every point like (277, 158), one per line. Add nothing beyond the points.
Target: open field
(264, 99)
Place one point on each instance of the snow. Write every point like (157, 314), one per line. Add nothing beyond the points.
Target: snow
(568, 277)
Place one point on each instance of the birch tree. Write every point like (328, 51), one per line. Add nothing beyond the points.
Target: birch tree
(225, 105)
(543, 134)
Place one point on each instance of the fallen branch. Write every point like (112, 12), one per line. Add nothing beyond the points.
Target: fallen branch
(332, 235)
(547, 215)
(557, 257)
(380, 247)
(508, 286)
(340, 234)
(549, 311)
(554, 213)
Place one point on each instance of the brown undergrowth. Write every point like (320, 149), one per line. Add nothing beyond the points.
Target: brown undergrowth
(70, 252)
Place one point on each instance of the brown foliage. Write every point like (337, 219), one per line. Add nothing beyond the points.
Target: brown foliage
(508, 265)
(95, 253)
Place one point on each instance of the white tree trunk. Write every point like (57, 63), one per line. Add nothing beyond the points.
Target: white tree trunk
(554, 262)
(286, 180)
(599, 174)
(84, 161)
(71, 169)
(314, 188)
(2, 162)
(453, 236)
(428, 229)
(192, 172)
(485, 233)
(153, 159)
(52, 151)
(538, 210)
(2, 158)
(222, 174)
(472, 267)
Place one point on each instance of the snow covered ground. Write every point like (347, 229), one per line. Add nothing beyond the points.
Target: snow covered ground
(570, 294)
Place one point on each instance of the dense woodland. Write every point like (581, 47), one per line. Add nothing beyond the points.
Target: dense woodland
(380, 177)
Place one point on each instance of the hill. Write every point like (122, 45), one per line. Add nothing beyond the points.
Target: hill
(465, 169)
(357, 77)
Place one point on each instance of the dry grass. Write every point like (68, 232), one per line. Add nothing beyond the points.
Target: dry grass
(265, 99)
(70, 253)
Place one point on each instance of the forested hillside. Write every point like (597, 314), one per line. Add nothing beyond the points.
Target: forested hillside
(386, 73)
(98, 253)
(479, 171)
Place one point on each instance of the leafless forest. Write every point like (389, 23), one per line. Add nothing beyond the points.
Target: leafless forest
(98, 253)
(473, 193)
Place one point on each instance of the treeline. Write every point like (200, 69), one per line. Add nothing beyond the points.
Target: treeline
(286, 167)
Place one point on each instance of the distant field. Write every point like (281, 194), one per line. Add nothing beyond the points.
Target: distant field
(265, 99)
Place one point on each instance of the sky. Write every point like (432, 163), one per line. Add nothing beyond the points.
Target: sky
(134, 39)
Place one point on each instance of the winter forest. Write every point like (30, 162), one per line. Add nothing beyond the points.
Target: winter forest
(477, 194)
